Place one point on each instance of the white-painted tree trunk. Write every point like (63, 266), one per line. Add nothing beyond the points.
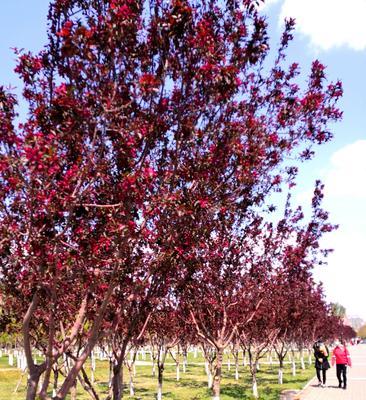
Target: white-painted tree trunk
(209, 380)
(228, 362)
(153, 369)
(310, 361)
(159, 394)
(236, 372)
(255, 388)
(293, 367)
(11, 359)
(280, 376)
(302, 360)
(23, 362)
(132, 387)
(195, 353)
(178, 372)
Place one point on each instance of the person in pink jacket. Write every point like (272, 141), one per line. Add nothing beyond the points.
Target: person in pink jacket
(341, 358)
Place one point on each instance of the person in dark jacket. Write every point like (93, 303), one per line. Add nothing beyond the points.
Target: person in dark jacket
(321, 354)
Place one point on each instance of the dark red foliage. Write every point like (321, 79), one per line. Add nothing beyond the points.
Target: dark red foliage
(153, 131)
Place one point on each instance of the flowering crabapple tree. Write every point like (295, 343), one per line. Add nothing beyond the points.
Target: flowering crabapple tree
(258, 335)
(144, 118)
(221, 297)
(297, 252)
(131, 307)
(163, 333)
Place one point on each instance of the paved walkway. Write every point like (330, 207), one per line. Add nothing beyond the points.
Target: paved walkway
(356, 381)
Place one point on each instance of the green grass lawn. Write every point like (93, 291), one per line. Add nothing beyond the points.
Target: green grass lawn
(192, 386)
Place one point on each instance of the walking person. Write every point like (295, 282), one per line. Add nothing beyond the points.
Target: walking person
(321, 354)
(341, 358)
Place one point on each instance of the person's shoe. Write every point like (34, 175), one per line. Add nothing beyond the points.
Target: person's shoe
(344, 387)
(340, 384)
(319, 383)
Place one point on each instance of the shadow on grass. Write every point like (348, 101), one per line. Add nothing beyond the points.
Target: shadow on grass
(235, 391)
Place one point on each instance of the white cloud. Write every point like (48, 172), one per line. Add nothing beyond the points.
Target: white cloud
(346, 176)
(345, 275)
(345, 194)
(328, 23)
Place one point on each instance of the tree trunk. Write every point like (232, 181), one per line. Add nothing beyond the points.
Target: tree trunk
(209, 378)
(55, 381)
(117, 381)
(302, 359)
(117, 378)
(73, 391)
(185, 361)
(159, 395)
(32, 383)
(280, 371)
(236, 360)
(236, 369)
(217, 378)
(110, 373)
(93, 338)
(35, 371)
(132, 387)
(87, 385)
(254, 384)
(280, 376)
(178, 371)
(244, 359)
(293, 363)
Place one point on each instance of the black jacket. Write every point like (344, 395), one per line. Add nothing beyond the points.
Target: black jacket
(321, 360)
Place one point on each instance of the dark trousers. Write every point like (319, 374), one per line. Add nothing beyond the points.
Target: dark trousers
(342, 373)
(324, 375)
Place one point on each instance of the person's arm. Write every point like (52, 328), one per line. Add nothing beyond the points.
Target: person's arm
(349, 361)
(333, 357)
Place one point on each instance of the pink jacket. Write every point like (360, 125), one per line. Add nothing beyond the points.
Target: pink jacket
(341, 356)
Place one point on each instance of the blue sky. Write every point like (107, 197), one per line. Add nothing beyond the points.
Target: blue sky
(335, 33)
(331, 31)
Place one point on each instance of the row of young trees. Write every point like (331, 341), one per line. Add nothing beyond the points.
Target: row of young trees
(172, 329)
(138, 188)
